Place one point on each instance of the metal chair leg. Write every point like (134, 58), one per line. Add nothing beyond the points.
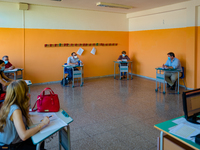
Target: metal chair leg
(184, 84)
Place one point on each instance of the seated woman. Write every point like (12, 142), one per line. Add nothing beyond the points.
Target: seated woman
(4, 80)
(14, 118)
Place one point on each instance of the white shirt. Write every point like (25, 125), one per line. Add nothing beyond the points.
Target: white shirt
(73, 60)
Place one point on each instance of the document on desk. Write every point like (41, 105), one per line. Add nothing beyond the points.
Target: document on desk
(185, 131)
(179, 120)
(55, 124)
(37, 118)
(28, 82)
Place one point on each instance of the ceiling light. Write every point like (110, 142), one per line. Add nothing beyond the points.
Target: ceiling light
(111, 5)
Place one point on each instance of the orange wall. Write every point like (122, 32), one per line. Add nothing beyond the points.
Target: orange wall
(198, 56)
(45, 64)
(148, 49)
(12, 44)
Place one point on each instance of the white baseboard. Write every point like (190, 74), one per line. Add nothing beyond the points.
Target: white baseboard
(112, 75)
(155, 80)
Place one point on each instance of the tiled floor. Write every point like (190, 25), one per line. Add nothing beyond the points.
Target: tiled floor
(112, 114)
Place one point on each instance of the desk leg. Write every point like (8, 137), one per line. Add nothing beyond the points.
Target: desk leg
(15, 75)
(69, 140)
(64, 76)
(38, 146)
(73, 77)
(161, 140)
(178, 82)
(128, 74)
(120, 71)
(22, 74)
(159, 82)
(114, 70)
(156, 82)
(164, 83)
(131, 71)
(81, 76)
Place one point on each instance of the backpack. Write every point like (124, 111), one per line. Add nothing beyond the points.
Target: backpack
(66, 81)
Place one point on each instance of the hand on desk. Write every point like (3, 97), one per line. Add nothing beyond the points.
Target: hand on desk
(45, 122)
(164, 66)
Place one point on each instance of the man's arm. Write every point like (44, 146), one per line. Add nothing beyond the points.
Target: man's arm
(6, 78)
(10, 68)
(70, 63)
(127, 58)
(119, 58)
(175, 64)
(3, 82)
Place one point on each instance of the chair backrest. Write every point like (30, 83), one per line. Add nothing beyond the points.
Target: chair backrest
(183, 75)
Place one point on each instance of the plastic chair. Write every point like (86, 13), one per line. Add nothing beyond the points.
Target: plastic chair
(182, 77)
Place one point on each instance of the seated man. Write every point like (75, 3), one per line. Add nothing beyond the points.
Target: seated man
(8, 65)
(172, 63)
(122, 58)
(72, 60)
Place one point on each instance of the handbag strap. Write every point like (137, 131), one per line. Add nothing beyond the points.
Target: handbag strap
(34, 107)
(49, 89)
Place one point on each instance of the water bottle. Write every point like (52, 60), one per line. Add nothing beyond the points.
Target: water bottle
(79, 62)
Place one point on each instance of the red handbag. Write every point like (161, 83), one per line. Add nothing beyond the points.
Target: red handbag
(47, 103)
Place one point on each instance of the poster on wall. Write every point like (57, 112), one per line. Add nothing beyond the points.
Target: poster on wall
(93, 51)
(80, 51)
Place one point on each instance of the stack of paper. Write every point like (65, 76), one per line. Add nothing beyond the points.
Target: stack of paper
(185, 129)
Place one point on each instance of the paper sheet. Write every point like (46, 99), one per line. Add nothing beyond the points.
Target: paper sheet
(36, 119)
(185, 131)
(55, 124)
(93, 51)
(80, 51)
(28, 82)
(124, 59)
(179, 120)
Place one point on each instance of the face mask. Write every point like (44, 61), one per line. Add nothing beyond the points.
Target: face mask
(169, 58)
(123, 55)
(2, 68)
(75, 56)
(6, 62)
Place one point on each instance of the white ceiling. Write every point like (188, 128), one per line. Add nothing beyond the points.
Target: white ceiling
(138, 5)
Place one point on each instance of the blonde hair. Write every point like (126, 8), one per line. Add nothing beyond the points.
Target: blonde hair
(16, 93)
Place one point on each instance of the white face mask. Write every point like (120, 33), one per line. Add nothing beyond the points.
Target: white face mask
(75, 56)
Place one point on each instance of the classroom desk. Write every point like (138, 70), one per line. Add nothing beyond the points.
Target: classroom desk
(160, 77)
(75, 73)
(124, 68)
(164, 128)
(64, 135)
(14, 71)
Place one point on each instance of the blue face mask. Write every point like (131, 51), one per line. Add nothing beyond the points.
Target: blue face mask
(169, 58)
(6, 62)
(2, 68)
(123, 55)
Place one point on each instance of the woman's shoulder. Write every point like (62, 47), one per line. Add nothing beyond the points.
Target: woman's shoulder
(14, 107)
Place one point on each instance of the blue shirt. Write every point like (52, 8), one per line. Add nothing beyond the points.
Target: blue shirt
(176, 64)
(72, 60)
(10, 134)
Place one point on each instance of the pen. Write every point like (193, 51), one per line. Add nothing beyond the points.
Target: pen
(48, 116)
